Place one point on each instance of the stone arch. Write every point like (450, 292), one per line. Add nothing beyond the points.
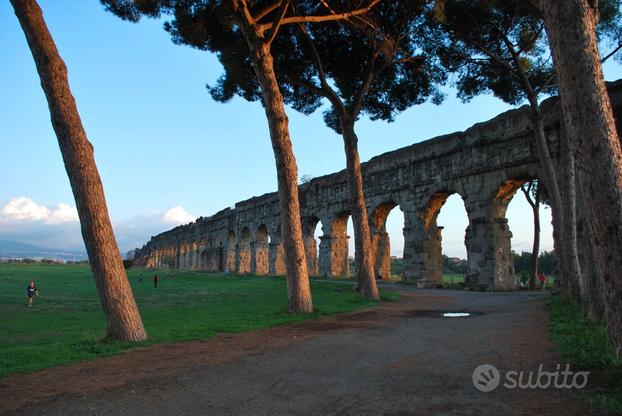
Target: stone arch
(381, 240)
(505, 274)
(162, 252)
(202, 250)
(276, 254)
(184, 255)
(213, 254)
(172, 256)
(260, 263)
(433, 207)
(230, 253)
(504, 196)
(244, 251)
(491, 263)
(156, 258)
(334, 255)
(427, 261)
(309, 225)
(339, 224)
(193, 259)
(163, 258)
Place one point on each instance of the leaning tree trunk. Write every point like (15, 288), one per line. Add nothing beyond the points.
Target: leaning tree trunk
(568, 263)
(115, 293)
(299, 292)
(587, 114)
(362, 236)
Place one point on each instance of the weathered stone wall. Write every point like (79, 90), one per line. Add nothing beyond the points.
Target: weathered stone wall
(485, 165)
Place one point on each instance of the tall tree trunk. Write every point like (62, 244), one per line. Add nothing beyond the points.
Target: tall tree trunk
(299, 291)
(115, 293)
(589, 121)
(535, 251)
(362, 236)
(568, 263)
(567, 185)
(593, 280)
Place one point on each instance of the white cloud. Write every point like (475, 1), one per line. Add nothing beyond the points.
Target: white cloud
(137, 231)
(178, 215)
(24, 220)
(25, 209)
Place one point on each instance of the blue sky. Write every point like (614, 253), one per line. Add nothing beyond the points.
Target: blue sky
(166, 152)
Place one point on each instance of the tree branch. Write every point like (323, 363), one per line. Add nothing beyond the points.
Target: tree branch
(328, 7)
(613, 52)
(266, 11)
(533, 38)
(328, 91)
(532, 94)
(493, 56)
(277, 23)
(243, 6)
(326, 18)
(358, 18)
(305, 84)
(528, 195)
(372, 71)
(549, 84)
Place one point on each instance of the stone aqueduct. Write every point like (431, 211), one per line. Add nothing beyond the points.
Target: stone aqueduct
(485, 165)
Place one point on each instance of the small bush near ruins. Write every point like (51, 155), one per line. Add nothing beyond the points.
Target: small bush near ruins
(66, 322)
(585, 345)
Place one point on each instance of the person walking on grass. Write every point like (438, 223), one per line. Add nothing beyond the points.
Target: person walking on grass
(31, 291)
(155, 280)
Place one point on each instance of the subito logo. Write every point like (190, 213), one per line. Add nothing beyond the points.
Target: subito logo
(486, 378)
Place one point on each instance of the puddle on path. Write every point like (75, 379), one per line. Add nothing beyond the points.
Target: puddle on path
(423, 313)
(456, 315)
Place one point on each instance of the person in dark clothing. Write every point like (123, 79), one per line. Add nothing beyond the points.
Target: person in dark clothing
(31, 291)
(155, 280)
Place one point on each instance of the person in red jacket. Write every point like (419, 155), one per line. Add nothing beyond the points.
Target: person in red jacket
(542, 279)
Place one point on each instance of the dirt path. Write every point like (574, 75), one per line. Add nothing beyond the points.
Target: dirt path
(400, 359)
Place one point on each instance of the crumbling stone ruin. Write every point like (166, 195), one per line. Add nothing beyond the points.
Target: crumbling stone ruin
(485, 165)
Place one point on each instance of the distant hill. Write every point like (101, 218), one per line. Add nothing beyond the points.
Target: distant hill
(17, 250)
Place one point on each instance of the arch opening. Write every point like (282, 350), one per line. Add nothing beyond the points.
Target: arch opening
(202, 261)
(309, 231)
(276, 253)
(431, 262)
(512, 211)
(451, 220)
(193, 255)
(229, 261)
(260, 254)
(343, 252)
(244, 251)
(185, 253)
(387, 239)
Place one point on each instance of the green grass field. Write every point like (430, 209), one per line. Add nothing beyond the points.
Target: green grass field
(586, 345)
(449, 279)
(66, 323)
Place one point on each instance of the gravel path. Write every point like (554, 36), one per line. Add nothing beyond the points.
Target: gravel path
(401, 358)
